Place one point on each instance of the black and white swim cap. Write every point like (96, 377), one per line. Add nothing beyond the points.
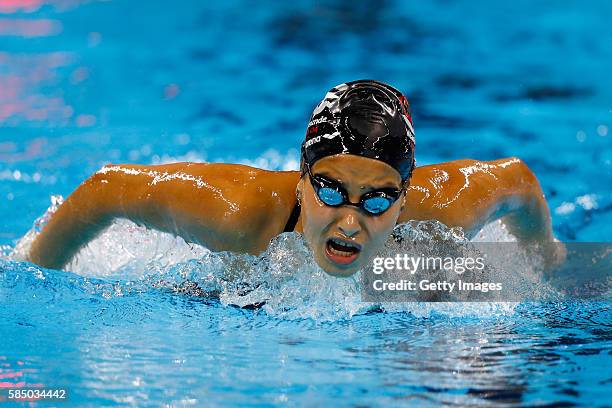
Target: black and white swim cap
(366, 118)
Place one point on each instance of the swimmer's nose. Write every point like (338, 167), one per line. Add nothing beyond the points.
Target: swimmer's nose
(349, 225)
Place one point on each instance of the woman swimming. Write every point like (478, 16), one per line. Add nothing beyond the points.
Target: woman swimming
(357, 181)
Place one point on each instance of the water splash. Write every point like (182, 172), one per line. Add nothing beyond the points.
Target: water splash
(283, 281)
(23, 245)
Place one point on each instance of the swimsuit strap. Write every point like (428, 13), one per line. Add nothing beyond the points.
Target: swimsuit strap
(293, 218)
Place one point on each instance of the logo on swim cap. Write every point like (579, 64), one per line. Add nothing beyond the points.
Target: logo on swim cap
(317, 121)
(366, 118)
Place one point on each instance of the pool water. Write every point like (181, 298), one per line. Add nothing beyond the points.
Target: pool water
(87, 83)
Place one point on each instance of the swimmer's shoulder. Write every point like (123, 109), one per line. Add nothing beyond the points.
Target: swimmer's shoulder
(222, 206)
(240, 173)
(457, 172)
(220, 174)
(449, 191)
(240, 179)
(265, 198)
(235, 203)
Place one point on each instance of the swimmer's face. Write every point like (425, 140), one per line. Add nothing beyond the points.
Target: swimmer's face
(344, 238)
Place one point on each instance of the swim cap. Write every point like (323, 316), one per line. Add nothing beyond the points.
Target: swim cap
(366, 118)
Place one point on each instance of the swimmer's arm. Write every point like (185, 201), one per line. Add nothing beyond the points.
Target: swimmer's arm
(471, 193)
(209, 204)
(86, 212)
(515, 196)
(526, 214)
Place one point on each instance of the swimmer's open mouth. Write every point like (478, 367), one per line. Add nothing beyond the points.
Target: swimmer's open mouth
(342, 252)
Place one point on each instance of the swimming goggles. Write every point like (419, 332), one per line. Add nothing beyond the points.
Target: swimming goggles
(333, 194)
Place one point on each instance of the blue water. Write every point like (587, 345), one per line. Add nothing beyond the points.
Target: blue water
(83, 84)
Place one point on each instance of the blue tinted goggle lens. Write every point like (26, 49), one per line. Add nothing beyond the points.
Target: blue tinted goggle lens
(376, 205)
(331, 196)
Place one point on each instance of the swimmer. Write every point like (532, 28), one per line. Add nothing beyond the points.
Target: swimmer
(357, 181)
